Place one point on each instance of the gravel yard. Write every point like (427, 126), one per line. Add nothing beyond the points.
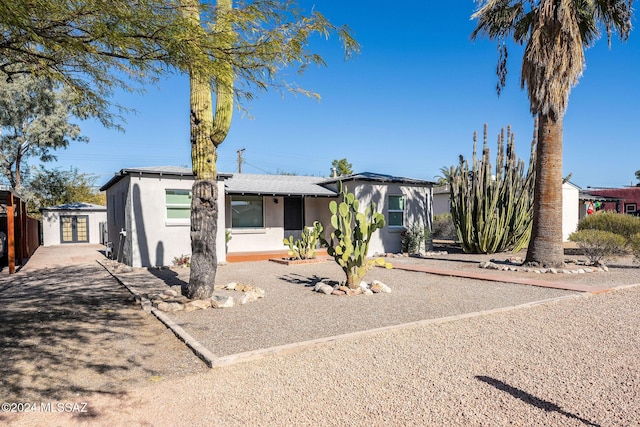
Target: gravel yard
(72, 334)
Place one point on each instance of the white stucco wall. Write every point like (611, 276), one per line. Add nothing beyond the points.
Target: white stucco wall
(417, 211)
(51, 224)
(570, 209)
(269, 237)
(152, 239)
(441, 203)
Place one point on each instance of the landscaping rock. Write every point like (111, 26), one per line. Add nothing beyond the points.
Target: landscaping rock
(170, 307)
(222, 301)
(377, 287)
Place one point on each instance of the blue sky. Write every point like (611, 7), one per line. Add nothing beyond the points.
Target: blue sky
(407, 105)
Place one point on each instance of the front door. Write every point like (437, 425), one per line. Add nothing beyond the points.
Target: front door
(74, 229)
(293, 215)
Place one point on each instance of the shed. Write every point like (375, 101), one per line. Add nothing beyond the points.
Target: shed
(73, 223)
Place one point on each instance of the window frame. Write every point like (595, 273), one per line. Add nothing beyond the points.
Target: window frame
(168, 206)
(630, 207)
(390, 211)
(247, 197)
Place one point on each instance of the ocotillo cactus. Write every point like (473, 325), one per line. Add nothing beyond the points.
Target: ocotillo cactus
(493, 213)
(349, 242)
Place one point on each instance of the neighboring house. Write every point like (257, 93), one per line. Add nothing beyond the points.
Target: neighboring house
(73, 223)
(148, 211)
(621, 200)
(441, 200)
(570, 209)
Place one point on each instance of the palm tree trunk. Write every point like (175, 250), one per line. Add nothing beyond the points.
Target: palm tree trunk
(545, 247)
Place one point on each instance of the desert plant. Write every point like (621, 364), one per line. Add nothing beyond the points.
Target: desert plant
(443, 227)
(599, 245)
(621, 224)
(349, 242)
(412, 238)
(305, 246)
(227, 235)
(182, 261)
(634, 245)
(492, 213)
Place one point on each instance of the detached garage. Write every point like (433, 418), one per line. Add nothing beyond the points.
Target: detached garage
(73, 223)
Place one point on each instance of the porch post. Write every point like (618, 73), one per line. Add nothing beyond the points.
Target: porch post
(11, 250)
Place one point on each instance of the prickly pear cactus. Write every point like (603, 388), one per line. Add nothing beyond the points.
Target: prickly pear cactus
(349, 242)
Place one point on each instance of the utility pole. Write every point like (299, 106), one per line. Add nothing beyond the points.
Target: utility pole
(240, 151)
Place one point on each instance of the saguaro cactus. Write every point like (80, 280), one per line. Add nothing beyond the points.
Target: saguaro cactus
(349, 243)
(492, 213)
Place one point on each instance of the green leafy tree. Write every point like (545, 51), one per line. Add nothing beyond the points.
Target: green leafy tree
(96, 47)
(52, 187)
(342, 167)
(638, 178)
(34, 121)
(93, 47)
(555, 34)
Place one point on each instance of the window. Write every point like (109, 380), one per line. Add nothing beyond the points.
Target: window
(629, 207)
(247, 212)
(396, 211)
(178, 204)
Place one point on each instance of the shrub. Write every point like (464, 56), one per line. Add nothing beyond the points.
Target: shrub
(305, 246)
(599, 244)
(412, 238)
(621, 224)
(634, 244)
(182, 261)
(444, 228)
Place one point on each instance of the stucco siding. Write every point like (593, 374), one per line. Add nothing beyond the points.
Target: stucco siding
(570, 209)
(51, 224)
(151, 238)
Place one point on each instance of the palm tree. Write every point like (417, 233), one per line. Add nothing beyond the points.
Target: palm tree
(555, 34)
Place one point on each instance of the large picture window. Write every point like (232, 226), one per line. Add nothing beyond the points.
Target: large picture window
(396, 211)
(178, 204)
(247, 212)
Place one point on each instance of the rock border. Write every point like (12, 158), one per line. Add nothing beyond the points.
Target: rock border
(339, 289)
(298, 261)
(516, 264)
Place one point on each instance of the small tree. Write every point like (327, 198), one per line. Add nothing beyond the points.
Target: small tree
(349, 242)
(57, 187)
(34, 121)
(342, 167)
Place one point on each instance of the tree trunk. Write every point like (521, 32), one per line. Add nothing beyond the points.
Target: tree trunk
(204, 226)
(204, 208)
(207, 132)
(545, 247)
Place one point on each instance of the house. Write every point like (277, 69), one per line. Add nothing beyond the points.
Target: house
(621, 200)
(73, 223)
(148, 211)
